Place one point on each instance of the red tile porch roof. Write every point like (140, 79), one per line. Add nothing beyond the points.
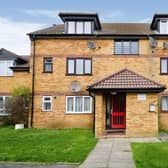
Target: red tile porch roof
(126, 79)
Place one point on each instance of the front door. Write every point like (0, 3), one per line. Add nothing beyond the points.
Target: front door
(118, 111)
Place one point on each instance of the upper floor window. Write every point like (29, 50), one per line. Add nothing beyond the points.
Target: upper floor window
(79, 27)
(5, 68)
(48, 64)
(3, 101)
(164, 65)
(124, 47)
(163, 29)
(79, 66)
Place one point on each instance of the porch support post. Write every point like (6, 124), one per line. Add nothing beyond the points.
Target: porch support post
(99, 115)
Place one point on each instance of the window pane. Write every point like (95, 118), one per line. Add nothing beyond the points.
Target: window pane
(163, 66)
(48, 68)
(79, 27)
(79, 66)
(163, 27)
(48, 60)
(134, 47)
(78, 104)
(88, 28)
(164, 103)
(71, 27)
(1, 103)
(71, 66)
(70, 107)
(118, 47)
(9, 71)
(47, 98)
(126, 47)
(47, 106)
(87, 104)
(87, 66)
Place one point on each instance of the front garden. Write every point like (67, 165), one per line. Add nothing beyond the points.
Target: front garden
(45, 145)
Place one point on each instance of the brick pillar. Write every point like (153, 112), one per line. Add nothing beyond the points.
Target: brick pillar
(99, 115)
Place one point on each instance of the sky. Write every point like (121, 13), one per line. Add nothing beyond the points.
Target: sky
(19, 17)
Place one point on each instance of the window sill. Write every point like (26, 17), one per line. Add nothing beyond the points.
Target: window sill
(163, 73)
(78, 112)
(78, 74)
(48, 72)
(3, 115)
(46, 111)
(123, 55)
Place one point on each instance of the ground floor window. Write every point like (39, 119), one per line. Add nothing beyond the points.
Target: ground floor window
(47, 103)
(164, 103)
(78, 104)
(3, 101)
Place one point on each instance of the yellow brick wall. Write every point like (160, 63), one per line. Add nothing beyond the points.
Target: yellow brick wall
(104, 63)
(7, 84)
(140, 122)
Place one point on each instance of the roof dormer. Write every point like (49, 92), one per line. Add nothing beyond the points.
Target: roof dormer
(160, 23)
(80, 23)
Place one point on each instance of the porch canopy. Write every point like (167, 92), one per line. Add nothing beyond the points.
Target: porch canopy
(126, 81)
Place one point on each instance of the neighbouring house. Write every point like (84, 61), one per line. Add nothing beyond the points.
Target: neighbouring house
(111, 77)
(14, 72)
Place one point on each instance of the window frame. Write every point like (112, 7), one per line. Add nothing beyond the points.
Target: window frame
(122, 46)
(3, 109)
(44, 71)
(76, 29)
(74, 99)
(163, 111)
(163, 58)
(7, 72)
(75, 66)
(44, 101)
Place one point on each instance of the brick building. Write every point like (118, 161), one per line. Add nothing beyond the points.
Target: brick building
(108, 76)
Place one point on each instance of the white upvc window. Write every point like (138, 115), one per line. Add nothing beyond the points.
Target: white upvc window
(5, 68)
(71, 27)
(3, 101)
(163, 27)
(47, 103)
(164, 103)
(78, 104)
(78, 27)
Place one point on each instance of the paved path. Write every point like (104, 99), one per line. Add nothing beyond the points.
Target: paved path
(113, 153)
(19, 165)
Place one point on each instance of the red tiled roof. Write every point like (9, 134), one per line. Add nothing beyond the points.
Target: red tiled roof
(126, 79)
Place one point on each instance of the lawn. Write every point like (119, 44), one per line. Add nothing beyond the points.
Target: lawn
(150, 155)
(44, 145)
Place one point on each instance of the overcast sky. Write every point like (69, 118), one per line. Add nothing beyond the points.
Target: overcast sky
(18, 17)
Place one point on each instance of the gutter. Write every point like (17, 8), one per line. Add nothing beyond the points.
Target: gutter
(33, 76)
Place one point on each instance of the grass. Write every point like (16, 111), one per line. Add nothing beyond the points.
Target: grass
(44, 145)
(150, 155)
(163, 131)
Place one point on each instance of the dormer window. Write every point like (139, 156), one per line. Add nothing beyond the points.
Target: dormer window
(79, 27)
(160, 23)
(80, 23)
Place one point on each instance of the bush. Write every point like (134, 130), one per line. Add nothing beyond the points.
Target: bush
(18, 105)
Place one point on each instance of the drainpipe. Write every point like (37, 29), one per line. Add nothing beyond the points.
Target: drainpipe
(33, 75)
(94, 118)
